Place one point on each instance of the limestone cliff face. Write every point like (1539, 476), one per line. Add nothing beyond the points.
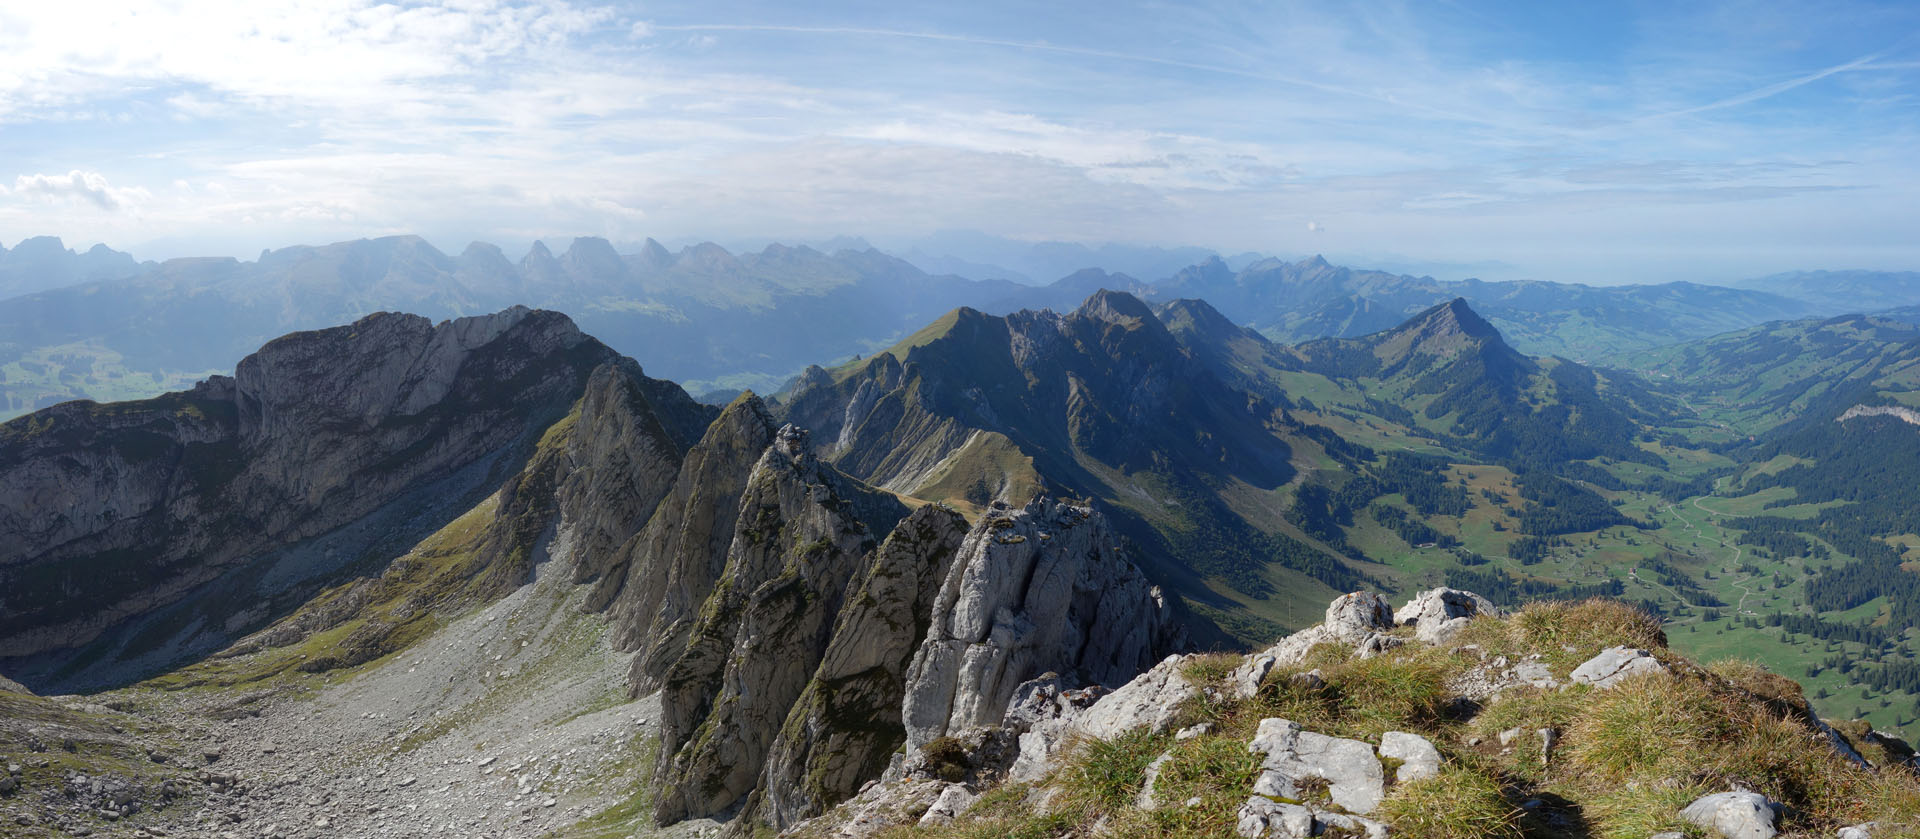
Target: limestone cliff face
(799, 538)
(1034, 590)
(846, 726)
(326, 450)
(622, 458)
(669, 568)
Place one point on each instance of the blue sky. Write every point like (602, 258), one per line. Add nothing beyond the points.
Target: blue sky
(1595, 142)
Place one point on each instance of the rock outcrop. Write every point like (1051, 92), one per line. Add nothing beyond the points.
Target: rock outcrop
(1358, 620)
(621, 458)
(1733, 815)
(1438, 614)
(1040, 589)
(799, 539)
(1615, 665)
(666, 571)
(846, 725)
(1355, 780)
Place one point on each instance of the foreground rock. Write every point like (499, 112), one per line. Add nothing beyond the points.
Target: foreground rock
(1035, 590)
(1438, 614)
(1356, 782)
(1615, 665)
(1733, 815)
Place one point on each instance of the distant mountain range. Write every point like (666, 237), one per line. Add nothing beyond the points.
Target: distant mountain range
(100, 325)
(45, 262)
(1838, 292)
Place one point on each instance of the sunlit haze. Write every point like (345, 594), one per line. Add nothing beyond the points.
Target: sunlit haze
(1604, 143)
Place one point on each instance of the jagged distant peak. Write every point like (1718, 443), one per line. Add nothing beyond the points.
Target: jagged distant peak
(593, 255)
(1202, 314)
(1114, 307)
(655, 253)
(41, 244)
(706, 255)
(1451, 317)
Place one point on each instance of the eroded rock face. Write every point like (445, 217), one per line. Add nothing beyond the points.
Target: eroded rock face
(1039, 589)
(391, 425)
(846, 725)
(621, 459)
(761, 633)
(1151, 701)
(665, 572)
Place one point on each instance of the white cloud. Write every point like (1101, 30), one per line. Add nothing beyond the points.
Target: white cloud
(310, 119)
(87, 187)
(339, 51)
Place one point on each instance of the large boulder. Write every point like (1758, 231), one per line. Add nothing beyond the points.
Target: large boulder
(1351, 618)
(1733, 815)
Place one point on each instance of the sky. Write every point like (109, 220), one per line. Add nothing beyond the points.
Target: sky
(1586, 142)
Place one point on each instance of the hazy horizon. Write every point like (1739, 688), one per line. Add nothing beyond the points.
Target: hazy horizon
(1646, 144)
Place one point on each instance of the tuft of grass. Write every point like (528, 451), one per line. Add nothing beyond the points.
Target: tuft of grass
(1104, 776)
(1528, 709)
(947, 759)
(1455, 804)
(1651, 725)
(1387, 693)
(1210, 668)
(1639, 810)
(1564, 633)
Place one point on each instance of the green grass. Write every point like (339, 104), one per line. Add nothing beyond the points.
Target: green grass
(1629, 757)
(85, 370)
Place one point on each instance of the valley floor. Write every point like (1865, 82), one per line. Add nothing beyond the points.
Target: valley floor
(509, 722)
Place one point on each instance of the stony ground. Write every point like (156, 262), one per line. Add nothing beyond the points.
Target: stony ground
(510, 722)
